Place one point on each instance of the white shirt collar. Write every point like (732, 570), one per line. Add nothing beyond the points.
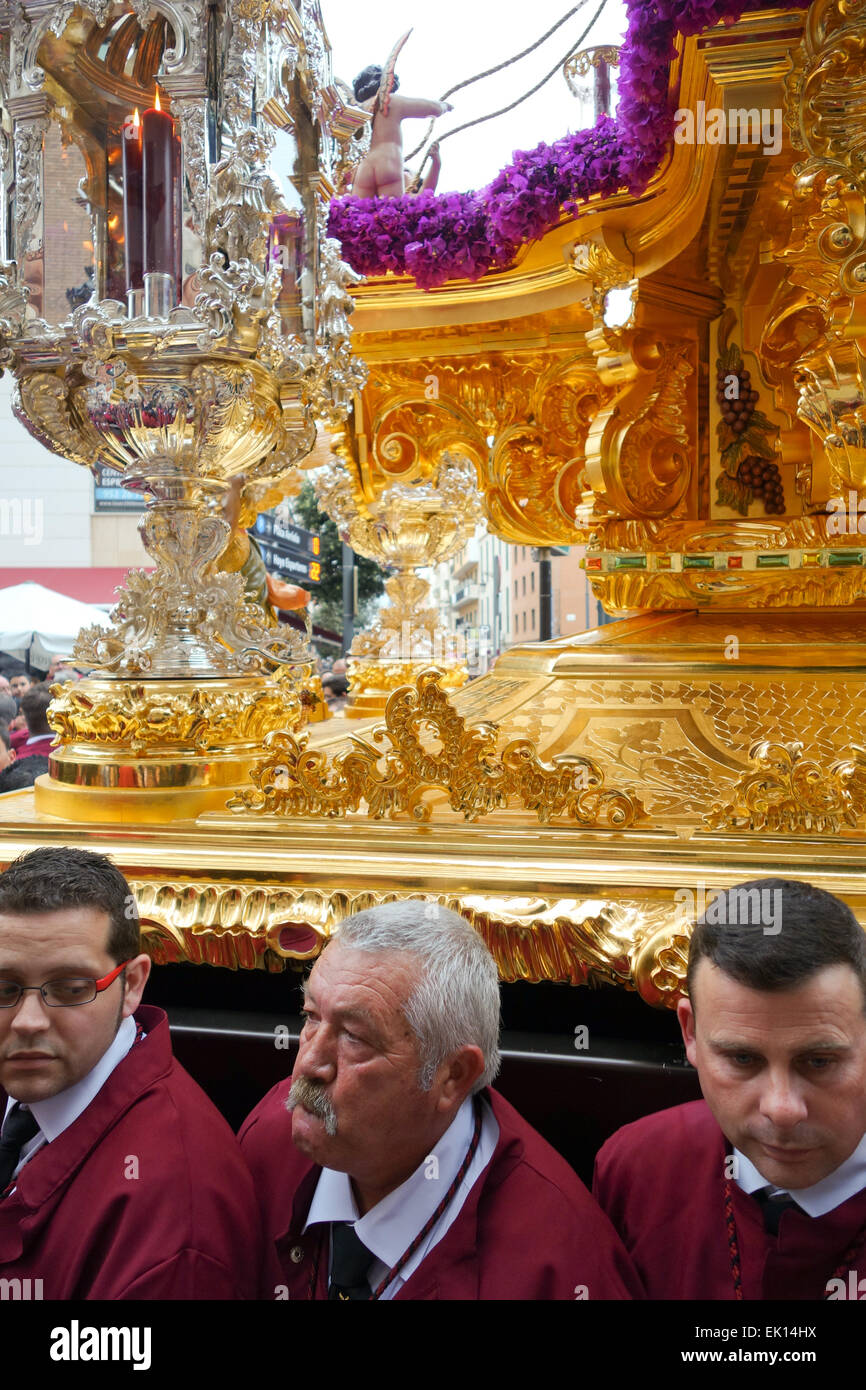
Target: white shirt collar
(389, 1228)
(57, 1113)
(844, 1182)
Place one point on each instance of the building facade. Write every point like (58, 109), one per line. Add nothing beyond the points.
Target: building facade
(489, 593)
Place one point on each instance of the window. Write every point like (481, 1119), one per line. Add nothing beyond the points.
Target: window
(515, 588)
(533, 620)
(524, 620)
(524, 586)
(532, 577)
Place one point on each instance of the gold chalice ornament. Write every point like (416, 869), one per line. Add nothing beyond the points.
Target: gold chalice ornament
(215, 331)
(410, 526)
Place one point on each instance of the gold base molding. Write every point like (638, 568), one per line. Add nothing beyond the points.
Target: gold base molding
(372, 682)
(153, 751)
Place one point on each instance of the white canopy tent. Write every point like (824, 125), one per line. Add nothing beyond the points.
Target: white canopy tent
(40, 622)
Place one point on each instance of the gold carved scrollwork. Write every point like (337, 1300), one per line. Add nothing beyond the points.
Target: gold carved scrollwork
(466, 767)
(786, 793)
(638, 457)
(43, 398)
(817, 320)
(522, 422)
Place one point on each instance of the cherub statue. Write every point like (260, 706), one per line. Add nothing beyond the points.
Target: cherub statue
(381, 175)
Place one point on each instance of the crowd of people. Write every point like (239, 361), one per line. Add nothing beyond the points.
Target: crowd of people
(388, 1165)
(25, 734)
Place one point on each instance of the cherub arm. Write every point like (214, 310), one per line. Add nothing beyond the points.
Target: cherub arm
(407, 107)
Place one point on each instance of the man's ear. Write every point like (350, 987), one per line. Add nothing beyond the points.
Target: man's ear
(686, 1016)
(135, 978)
(458, 1075)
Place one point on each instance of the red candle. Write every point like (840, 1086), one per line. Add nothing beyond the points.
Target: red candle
(133, 212)
(158, 164)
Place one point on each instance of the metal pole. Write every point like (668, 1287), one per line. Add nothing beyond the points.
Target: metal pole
(349, 597)
(545, 594)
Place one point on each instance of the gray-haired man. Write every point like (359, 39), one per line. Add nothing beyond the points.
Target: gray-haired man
(385, 1165)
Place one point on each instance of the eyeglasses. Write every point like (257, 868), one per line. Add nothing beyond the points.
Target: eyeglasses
(60, 994)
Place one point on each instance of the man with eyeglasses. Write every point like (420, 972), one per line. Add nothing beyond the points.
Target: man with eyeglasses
(118, 1177)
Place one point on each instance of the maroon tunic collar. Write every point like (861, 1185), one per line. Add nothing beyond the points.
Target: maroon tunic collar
(459, 1243)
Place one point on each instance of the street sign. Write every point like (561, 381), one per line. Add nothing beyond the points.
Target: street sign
(286, 536)
(293, 565)
(109, 496)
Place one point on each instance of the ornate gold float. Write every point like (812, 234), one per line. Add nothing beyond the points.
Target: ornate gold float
(578, 801)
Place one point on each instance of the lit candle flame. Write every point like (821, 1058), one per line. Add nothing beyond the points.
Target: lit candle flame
(136, 119)
(156, 105)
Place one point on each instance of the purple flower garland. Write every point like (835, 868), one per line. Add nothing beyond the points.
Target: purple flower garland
(440, 237)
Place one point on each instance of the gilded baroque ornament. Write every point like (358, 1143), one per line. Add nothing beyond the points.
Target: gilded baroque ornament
(192, 387)
(141, 717)
(536, 409)
(475, 778)
(814, 328)
(633, 943)
(789, 794)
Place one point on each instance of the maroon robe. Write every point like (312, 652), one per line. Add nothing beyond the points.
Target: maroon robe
(41, 748)
(527, 1230)
(187, 1226)
(661, 1181)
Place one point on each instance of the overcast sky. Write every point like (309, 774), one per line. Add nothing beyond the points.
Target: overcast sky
(454, 39)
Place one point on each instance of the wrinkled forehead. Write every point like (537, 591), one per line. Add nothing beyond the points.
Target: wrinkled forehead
(347, 977)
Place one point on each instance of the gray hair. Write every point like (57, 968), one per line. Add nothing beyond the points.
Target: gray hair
(456, 999)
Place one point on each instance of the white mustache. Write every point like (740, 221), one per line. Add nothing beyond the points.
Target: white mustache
(311, 1096)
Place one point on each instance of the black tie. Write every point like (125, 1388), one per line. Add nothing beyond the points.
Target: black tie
(350, 1261)
(772, 1205)
(18, 1127)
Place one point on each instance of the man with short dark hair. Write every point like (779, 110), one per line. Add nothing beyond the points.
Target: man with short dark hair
(386, 1166)
(118, 1177)
(39, 735)
(19, 683)
(759, 1190)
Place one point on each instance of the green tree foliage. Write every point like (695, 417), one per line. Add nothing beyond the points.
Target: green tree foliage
(329, 593)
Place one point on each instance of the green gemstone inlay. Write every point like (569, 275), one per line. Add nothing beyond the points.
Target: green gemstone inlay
(772, 562)
(698, 562)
